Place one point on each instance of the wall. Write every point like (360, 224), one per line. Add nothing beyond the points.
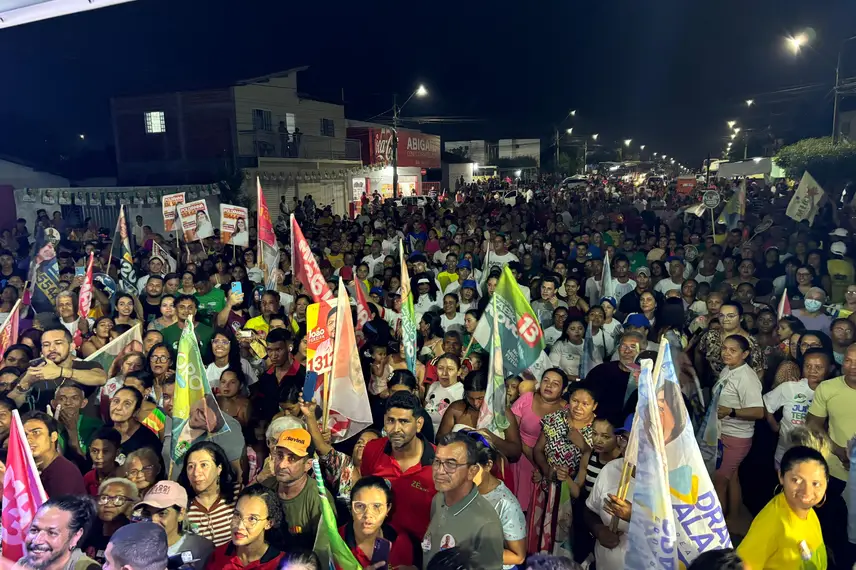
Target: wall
(476, 149)
(453, 173)
(516, 148)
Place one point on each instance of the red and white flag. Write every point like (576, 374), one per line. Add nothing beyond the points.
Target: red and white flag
(9, 330)
(305, 267)
(349, 409)
(363, 313)
(784, 305)
(84, 299)
(23, 493)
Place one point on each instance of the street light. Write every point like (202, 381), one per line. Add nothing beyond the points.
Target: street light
(736, 130)
(420, 91)
(733, 136)
(574, 113)
(795, 43)
(665, 157)
(673, 161)
(731, 124)
(750, 102)
(627, 142)
(594, 136)
(82, 136)
(642, 147)
(571, 131)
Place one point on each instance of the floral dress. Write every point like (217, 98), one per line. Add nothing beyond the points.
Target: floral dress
(711, 346)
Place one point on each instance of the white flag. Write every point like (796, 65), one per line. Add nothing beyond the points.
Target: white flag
(806, 201)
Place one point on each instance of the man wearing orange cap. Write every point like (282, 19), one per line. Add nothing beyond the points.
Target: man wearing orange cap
(295, 486)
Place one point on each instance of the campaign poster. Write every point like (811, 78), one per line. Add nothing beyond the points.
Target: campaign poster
(64, 198)
(170, 203)
(151, 198)
(320, 332)
(137, 198)
(48, 197)
(195, 220)
(233, 225)
(94, 198)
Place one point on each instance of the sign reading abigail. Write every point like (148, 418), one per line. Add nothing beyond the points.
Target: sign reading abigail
(414, 149)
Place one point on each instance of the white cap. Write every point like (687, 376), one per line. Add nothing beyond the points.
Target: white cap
(838, 248)
(839, 232)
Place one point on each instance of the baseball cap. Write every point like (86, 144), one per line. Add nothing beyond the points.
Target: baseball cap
(628, 425)
(644, 270)
(376, 291)
(165, 494)
(610, 300)
(469, 284)
(296, 441)
(424, 280)
(838, 248)
(839, 232)
(637, 320)
(465, 263)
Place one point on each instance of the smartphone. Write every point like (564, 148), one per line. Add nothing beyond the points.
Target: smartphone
(79, 271)
(245, 334)
(236, 288)
(380, 553)
(37, 362)
(309, 386)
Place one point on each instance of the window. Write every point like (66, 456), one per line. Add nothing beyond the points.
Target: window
(262, 120)
(328, 128)
(155, 122)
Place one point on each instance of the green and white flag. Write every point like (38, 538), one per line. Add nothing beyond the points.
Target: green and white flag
(509, 330)
(408, 314)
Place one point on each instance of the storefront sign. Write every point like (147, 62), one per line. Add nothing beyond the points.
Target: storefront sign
(414, 149)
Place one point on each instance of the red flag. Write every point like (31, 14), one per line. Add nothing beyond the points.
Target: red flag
(304, 266)
(363, 313)
(265, 227)
(84, 300)
(23, 493)
(784, 305)
(9, 330)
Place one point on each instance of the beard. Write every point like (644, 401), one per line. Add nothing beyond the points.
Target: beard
(42, 563)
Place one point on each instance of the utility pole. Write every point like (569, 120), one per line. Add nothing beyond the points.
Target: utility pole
(585, 154)
(707, 176)
(394, 146)
(557, 150)
(745, 145)
(836, 97)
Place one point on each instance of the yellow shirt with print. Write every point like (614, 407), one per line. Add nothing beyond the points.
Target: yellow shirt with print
(841, 274)
(258, 324)
(773, 540)
(337, 260)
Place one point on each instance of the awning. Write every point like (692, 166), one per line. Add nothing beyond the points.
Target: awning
(17, 12)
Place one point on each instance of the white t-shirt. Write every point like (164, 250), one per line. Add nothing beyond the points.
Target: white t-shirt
(607, 483)
(551, 335)
(373, 263)
(622, 289)
(496, 260)
(793, 398)
(741, 389)
(456, 323)
(213, 372)
(567, 356)
(667, 285)
(438, 399)
(593, 291)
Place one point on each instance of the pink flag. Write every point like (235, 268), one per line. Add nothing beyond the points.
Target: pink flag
(348, 402)
(84, 300)
(363, 313)
(784, 305)
(304, 266)
(265, 227)
(23, 493)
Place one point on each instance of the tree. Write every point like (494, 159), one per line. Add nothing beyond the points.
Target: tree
(516, 162)
(832, 165)
(231, 188)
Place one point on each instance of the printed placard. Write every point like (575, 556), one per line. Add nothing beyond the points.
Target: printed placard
(195, 220)
(170, 203)
(233, 225)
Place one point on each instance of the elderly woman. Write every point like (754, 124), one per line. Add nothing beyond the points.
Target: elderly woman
(116, 499)
(66, 310)
(813, 316)
(143, 468)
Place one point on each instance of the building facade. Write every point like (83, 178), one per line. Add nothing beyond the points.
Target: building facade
(487, 152)
(262, 125)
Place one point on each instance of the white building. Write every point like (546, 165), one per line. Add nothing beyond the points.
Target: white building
(488, 151)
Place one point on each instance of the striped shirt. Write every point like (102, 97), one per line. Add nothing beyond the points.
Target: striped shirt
(214, 523)
(592, 471)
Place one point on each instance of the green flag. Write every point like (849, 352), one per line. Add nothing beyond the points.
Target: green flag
(408, 314)
(511, 332)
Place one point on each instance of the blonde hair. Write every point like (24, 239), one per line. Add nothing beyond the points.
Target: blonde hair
(812, 438)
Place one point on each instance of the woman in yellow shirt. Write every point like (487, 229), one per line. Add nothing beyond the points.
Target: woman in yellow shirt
(786, 533)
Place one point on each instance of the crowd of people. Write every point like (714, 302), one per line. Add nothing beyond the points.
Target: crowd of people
(424, 487)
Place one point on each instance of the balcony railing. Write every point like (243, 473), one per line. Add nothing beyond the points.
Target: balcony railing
(266, 144)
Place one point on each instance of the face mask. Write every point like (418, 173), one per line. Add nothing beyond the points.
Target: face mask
(812, 305)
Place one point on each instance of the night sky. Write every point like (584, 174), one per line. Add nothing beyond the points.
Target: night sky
(668, 77)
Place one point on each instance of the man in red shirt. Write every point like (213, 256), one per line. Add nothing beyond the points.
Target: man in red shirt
(404, 458)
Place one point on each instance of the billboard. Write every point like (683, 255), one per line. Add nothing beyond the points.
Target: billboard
(414, 149)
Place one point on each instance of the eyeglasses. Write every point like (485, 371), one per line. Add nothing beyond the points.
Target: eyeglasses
(160, 358)
(114, 500)
(361, 508)
(449, 466)
(250, 521)
(220, 341)
(144, 471)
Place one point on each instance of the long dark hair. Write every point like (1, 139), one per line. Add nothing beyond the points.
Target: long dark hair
(227, 474)
(234, 348)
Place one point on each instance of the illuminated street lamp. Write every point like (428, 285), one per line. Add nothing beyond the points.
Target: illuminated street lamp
(750, 102)
(396, 111)
(82, 136)
(733, 136)
(574, 113)
(642, 147)
(736, 130)
(665, 157)
(795, 43)
(571, 131)
(673, 161)
(627, 142)
(594, 136)
(731, 124)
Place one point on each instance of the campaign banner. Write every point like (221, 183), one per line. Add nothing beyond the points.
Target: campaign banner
(108, 355)
(169, 203)
(305, 266)
(233, 225)
(161, 253)
(805, 203)
(9, 330)
(320, 333)
(265, 227)
(127, 272)
(195, 220)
